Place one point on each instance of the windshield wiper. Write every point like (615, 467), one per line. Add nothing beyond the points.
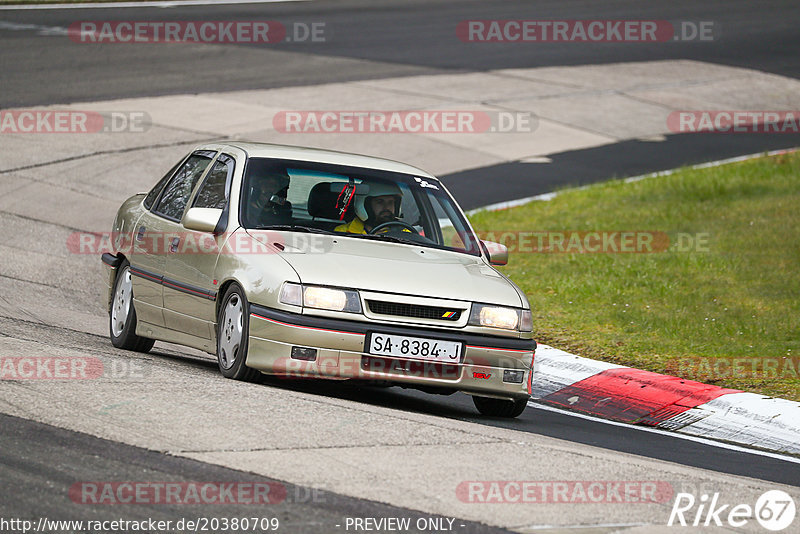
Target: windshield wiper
(383, 237)
(292, 228)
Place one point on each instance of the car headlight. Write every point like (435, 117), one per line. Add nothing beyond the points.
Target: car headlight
(324, 298)
(321, 298)
(500, 317)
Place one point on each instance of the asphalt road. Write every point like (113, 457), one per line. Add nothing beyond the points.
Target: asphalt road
(661, 445)
(365, 40)
(515, 180)
(43, 464)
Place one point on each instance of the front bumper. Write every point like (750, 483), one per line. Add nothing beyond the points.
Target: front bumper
(340, 354)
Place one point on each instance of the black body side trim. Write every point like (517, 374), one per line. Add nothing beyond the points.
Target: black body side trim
(111, 260)
(358, 327)
(190, 289)
(142, 273)
(174, 284)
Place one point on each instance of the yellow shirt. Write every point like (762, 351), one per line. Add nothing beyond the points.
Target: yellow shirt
(356, 226)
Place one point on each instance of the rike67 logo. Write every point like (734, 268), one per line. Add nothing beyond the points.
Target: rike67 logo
(774, 510)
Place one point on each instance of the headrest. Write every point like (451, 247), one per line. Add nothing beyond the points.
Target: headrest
(322, 202)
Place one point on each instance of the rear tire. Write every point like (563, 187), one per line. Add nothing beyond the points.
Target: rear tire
(499, 407)
(122, 314)
(233, 330)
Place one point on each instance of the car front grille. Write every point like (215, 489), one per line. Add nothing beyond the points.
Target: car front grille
(400, 309)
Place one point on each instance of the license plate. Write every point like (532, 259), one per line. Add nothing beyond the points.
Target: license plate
(415, 348)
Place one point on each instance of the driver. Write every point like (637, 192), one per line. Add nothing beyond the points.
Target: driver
(380, 205)
(267, 200)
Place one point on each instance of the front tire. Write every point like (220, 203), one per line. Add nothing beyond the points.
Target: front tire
(499, 407)
(122, 314)
(233, 328)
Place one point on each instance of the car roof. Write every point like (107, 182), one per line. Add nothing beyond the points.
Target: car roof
(268, 150)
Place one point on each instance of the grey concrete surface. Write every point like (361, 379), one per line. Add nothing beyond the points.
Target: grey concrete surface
(574, 111)
(177, 403)
(174, 400)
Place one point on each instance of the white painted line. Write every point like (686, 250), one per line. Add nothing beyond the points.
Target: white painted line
(713, 163)
(571, 527)
(550, 196)
(513, 203)
(704, 441)
(42, 30)
(166, 4)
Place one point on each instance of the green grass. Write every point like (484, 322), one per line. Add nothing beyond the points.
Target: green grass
(693, 313)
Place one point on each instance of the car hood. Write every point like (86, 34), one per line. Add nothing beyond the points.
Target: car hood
(393, 268)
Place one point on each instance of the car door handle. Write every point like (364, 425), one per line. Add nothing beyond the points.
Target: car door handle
(140, 233)
(173, 247)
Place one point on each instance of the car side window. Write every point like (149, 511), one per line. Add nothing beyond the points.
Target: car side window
(214, 191)
(153, 194)
(447, 226)
(175, 196)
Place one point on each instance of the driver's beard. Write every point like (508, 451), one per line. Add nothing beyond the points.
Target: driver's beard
(374, 221)
(385, 217)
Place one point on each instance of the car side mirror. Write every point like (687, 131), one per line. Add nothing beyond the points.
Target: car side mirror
(498, 253)
(202, 219)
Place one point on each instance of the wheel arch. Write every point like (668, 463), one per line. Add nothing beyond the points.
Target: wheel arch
(223, 288)
(113, 279)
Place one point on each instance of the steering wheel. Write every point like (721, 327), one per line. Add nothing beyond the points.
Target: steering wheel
(393, 223)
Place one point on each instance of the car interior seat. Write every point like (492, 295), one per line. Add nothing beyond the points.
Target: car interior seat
(325, 204)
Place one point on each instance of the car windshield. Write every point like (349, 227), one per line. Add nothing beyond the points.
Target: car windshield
(354, 202)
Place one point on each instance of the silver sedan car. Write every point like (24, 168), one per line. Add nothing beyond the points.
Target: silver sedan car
(300, 262)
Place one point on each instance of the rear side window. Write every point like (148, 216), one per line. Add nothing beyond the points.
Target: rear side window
(175, 196)
(214, 191)
(153, 194)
